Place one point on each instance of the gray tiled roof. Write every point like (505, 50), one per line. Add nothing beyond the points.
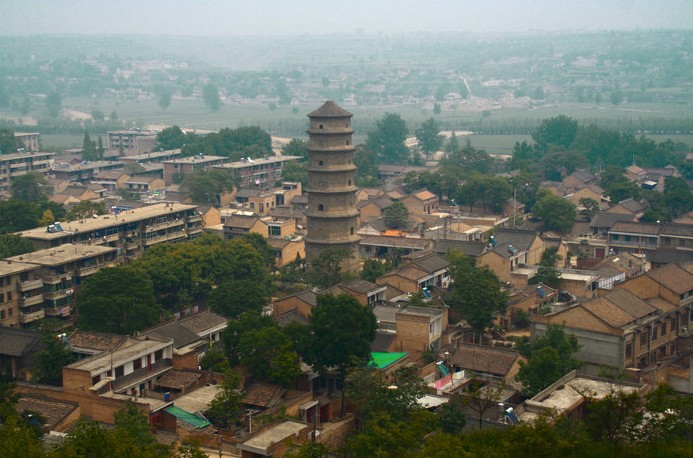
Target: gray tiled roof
(18, 342)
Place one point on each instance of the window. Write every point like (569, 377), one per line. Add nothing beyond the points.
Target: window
(626, 238)
(274, 231)
(321, 207)
(320, 126)
(654, 332)
(119, 371)
(320, 163)
(352, 231)
(664, 329)
(137, 364)
(629, 350)
(643, 339)
(674, 322)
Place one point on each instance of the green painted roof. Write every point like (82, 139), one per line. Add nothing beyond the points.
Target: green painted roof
(381, 360)
(187, 417)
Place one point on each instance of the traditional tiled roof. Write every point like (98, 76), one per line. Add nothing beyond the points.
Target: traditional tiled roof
(242, 222)
(636, 228)
(262, 394)
(329, 110)
(603, 219)
(18, 342)
(521, 239)
(484, 359)
(608, 312)
(360, 286)
(96, 341)
(431, 263)
(466, 248)
(180, 334)
(630, 303)
(203, 321)
(662, 256)
(178, 380)
(53, 410)
(662, 305)
(383, 341)
(682, 230)
(673, 277)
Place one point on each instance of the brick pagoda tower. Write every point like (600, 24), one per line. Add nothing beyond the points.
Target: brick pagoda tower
(332, 214)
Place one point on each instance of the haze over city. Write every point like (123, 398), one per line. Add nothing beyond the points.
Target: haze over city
(283, 17)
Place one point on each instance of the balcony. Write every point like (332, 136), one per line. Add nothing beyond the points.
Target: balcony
(142, 374)
(89, 270)
(194, 218)
(25, 318)
(23, 286)
(53, 279)
(166, 224)
(29, 301)
(55, 295)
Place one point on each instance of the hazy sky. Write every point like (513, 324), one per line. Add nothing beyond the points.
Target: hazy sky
(292, 17)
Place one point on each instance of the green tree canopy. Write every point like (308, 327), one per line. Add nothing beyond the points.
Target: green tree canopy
(296, 147)
(234, 297)
(210, 96)
(396, 215)
(549, 357)
(170, 138)
(205, 186)
(556, 213)
(118, 300)
(342, 331)
(326, 269)
(13, 245)
(429, 137)
(86, 209)
(31, 187)
(53, 103)
(387, 140)
(559, 131)
(9, 144)
(476, 293)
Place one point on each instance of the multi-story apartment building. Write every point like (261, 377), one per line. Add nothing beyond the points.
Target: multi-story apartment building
(21, 293)
(17, 164)
(154, 156)
(132, 141)
(85, 171)
(633, 326)
(130, 367)
(176, 169)
(131, 231)
(30, 140)
(59, 272)
(259, 173)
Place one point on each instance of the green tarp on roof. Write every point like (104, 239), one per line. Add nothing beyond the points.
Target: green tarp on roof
(187, 417)
(383, 359)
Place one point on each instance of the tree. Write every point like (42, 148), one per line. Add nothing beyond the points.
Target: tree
(205, 186)
(48, 362)
(396, 215)
(453, 145)
(53, 103)
(556, 213)
(13, 245)
(373, 394)
(452, 416)
(18, 215)
(549, 357)
(225, 408)
(373, 268)
(170, 138)
(118, 300)
(269, 355)
(87, 209)
(366, 162)
(616, 96)
(482, 396)
(163, 96)
(476, 293)
(547, 272)
(296, 147)
(210, 95)
(429, 137)
(32, 187)
(590, 207)
(234, 297)
(9, 144)
(89, 152)
(236, 329)
(342, 331)
(559, 131)
(295, 171)
(326, 269)
(135, 424)
(387, 140)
